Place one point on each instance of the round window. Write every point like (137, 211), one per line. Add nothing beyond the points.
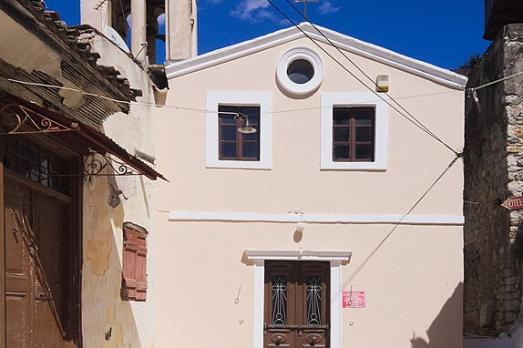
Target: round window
(300, 71)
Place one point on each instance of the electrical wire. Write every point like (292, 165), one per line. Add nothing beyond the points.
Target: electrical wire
(414, 121)
(356, 66)
(125, 24)
(495, 81)
(100, 4)
(196, 109)
(209, 111)
(362, 102)
(389, 234)
(395, 227)
(100, 96)
(186, 108)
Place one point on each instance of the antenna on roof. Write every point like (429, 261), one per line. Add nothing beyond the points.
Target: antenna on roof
(305, 3)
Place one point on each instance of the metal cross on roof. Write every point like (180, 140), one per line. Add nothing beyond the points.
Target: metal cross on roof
(305, 3)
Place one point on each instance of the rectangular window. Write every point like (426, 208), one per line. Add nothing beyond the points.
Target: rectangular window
(31, 160)
(353, 130)
(234, 145)
(134, 275)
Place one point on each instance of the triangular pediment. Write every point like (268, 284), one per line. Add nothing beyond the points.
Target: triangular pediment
(347, 43)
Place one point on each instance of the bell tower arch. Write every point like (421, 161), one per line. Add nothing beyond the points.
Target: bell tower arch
(139, 23)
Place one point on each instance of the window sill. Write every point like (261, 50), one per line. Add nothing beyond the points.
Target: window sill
(260, 165)
(354, 166)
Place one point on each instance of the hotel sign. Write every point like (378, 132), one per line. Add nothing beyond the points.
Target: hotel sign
(513, 203)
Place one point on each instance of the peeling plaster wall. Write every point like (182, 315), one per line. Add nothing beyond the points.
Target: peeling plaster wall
(107, 320)
(27, 51)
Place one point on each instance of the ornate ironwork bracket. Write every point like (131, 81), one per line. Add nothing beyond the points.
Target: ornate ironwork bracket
(17, 119)
(95, 164)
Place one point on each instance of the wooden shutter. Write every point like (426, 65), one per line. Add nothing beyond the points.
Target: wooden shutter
(134, 271)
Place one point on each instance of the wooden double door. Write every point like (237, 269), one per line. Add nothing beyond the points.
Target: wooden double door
(35, 267)
(297, 300)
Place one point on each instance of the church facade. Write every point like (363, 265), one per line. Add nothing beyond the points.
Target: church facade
(290, 219)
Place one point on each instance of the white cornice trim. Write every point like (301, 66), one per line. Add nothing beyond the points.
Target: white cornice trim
(298, 255)
(447, 220)
(439, 75)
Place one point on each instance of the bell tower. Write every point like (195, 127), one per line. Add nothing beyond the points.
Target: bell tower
(181, 29)
(138, 22)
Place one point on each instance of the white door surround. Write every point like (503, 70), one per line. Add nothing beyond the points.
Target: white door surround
(336, 259)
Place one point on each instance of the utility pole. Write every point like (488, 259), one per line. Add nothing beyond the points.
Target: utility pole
(305, 5)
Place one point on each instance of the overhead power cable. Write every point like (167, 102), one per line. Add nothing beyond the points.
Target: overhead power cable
(178, 107)
(495, 81)
(100, 4)
(125, 24)
(395, 227)
(357, 67)
(408, 117)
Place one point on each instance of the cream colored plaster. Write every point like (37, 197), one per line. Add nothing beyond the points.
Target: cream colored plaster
(415, 159)
(410, 282)
(97, 254)
(96, 13)
(407, 282)
(130, 323)
(181, 29)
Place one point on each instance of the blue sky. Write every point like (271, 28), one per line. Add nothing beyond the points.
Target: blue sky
(445, 33)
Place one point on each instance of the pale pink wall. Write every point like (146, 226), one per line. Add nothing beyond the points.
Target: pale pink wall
(415, 159)
(409, 281)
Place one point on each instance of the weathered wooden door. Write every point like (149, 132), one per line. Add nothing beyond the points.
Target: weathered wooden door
(19, 271)
(34, 232)
(296, 304)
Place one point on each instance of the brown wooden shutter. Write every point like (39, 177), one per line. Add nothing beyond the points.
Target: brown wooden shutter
(134, 270)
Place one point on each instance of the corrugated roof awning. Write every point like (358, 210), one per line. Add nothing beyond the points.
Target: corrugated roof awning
(82, 137)
(102, 144)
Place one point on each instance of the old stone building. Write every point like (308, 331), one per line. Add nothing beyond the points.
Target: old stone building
(494, 172)
(76, 125)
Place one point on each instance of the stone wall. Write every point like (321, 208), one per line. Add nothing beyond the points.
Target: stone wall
(494, 171)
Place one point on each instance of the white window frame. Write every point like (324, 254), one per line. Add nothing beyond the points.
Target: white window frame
(217, 98)
(331, 100)
(295, 54)
(336, 259)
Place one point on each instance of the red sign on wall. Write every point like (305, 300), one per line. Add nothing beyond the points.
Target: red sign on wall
(513, 203)
(353, 299)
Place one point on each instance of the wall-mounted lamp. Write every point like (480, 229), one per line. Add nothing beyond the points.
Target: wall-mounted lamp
(245, 127)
